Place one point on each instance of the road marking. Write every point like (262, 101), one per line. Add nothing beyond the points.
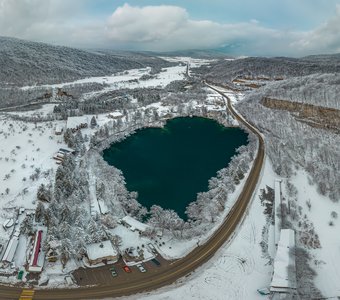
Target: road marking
(26, 294)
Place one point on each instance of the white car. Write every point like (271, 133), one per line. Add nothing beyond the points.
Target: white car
(141, 268)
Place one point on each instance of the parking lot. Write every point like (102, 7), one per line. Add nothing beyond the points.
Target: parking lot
(103, 276)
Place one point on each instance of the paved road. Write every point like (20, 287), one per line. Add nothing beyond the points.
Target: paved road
(166, 275)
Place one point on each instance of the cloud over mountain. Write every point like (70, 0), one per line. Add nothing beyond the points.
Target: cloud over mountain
(157, 27)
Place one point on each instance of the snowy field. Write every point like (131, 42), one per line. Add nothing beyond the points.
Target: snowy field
(326, 260)
(128, 79)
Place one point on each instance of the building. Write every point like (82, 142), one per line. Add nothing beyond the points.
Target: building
(59, 130)
(101, 252)
(77, 123)
(10, 250)
(277, 208)
(8, 223)
(116, 115)
(134, 224)
(37, 258)
(66, 150)
(284, 274)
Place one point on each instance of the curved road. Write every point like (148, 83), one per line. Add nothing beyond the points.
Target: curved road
(179, 268)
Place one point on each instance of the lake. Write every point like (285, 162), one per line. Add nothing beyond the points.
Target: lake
(169, 166)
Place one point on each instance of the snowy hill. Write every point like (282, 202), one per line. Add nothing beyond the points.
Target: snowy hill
(282, 67)
(28, 63)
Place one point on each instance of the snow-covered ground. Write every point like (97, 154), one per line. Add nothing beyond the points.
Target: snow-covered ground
(193, 62)
(128, 79)
(25, 149)
(44, 111)
(326, 260)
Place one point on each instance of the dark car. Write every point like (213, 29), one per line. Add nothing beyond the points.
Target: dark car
(113, 272)
(156, 262)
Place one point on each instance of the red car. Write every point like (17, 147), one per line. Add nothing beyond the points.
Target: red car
(127, 269)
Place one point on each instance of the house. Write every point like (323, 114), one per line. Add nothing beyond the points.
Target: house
(101, 252)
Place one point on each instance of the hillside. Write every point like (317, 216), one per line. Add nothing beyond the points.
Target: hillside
(30, 63)
(275, 67)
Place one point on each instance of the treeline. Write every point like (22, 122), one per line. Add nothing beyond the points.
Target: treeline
(224, 71)
(317, 89)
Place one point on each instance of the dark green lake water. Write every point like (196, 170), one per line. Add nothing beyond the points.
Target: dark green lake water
(169, 166)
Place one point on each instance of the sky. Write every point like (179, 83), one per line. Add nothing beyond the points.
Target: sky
(239, 27)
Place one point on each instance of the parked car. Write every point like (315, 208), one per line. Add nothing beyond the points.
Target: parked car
(113, 272)
(152, 247)
(264, 291)
(156, 262)
(127, 269)
(141, 268)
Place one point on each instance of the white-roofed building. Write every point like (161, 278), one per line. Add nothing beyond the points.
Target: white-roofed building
(134, 224)
(10, 250)
(284, 274)
(59, 130)
(115, 115)
(100, 252)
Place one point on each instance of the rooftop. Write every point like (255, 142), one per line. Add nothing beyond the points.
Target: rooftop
(100, 250)
(284, 264)
(134, 224)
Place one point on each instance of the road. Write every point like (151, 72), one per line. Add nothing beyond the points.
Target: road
(166, 275)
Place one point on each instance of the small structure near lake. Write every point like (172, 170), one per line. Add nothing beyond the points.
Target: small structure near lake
(134, 224)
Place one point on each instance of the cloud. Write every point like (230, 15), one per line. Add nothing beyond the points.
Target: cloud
(147, 24)
(170, 28)
(325, 38)
(160, 28)
(40, 20)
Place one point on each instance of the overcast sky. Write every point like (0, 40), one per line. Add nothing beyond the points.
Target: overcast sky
(243, 27)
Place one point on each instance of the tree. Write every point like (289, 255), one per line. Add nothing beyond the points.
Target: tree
(27, 225)
(44, 194)
(40, 212)
(93, 122)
